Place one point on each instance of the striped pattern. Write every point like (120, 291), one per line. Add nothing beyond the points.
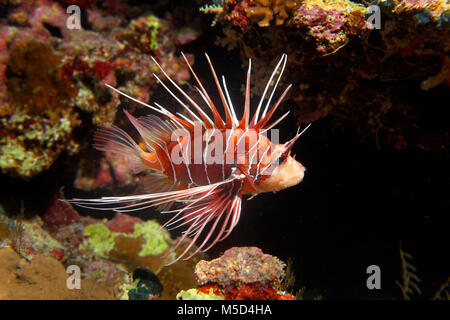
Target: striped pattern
(204, 190)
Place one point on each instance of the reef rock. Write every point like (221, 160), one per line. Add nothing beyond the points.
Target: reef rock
(241, 273)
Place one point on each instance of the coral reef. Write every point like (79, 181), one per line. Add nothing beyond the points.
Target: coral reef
(388, 83)
(206, 293)
(44, 278)
(241, 273)
(145, 286)
(50, 74)
(37, 118)
(241, 13)
(133, 242)
(29, 237)
(106, 251)
(243, 264)
(144, 246)
(372, 71)
(268, 10)
(109, 250)
(330, 23)
(179, 276)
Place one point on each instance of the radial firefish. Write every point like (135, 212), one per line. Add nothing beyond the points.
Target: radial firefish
(199, 167)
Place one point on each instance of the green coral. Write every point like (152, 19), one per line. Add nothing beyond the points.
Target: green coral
(194, 294)
(37, 122)
(32, 144)
(101, 240)
(154, 238)
(142, 33)
(139, 290)
(214, 8)
(153, 25)
(126, 288)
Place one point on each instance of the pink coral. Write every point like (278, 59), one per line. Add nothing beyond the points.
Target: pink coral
(325, 25)
(236, 12)
(242, 264)
(63, 223)
(122, 223)
(241, 273)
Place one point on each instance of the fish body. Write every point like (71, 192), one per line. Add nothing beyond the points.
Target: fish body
(249, 153)
(199, 167)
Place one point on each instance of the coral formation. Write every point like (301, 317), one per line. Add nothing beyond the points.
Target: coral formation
(410, 281)
(371, 70)
(203, 294)
(106, 251)
(389, 84)
(267, 10)
(143, 247)
(130, 240)
(241, 264)
(330, 22)
(50, 74)
(241, 273)
(63, 223)
(38, 118)
(146, 286)
(142, 34)
(214, 8)
(242, 12)
(44, 278)
(29, 237)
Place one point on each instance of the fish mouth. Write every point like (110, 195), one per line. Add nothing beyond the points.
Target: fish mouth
(288, 174)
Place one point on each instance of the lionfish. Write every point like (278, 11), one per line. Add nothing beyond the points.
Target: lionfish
(198, 167)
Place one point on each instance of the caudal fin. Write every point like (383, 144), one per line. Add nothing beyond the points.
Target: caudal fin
(110, 138)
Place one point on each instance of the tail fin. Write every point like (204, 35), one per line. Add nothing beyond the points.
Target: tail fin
(110, 138)
(113, 139)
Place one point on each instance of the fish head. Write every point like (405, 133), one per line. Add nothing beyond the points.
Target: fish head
(283, 171)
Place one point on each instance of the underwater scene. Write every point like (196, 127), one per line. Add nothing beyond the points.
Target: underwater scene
(224, 150)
